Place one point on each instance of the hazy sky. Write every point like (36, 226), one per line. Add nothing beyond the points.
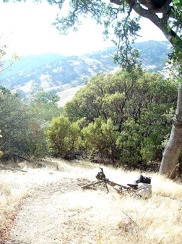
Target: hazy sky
(27, 29)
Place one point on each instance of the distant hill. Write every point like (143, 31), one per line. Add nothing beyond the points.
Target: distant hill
(58, 73)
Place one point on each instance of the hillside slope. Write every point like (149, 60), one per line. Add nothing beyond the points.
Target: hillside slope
(57, 73)
(56, 209)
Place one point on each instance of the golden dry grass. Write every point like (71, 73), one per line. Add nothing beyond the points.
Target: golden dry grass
(156, 220)
(8, 205)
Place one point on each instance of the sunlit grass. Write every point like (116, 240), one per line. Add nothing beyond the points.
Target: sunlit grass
(9, 203)
(114, 218)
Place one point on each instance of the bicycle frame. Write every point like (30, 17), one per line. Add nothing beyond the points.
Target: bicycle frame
(102, 180)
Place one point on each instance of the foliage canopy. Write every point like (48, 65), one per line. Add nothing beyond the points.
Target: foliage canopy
(63, 137)
(121, 18)
(23, 124)
(127, 116)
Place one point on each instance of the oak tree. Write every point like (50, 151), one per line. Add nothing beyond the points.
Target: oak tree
(117, 15)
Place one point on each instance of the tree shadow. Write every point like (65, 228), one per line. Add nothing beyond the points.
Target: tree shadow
(10, 166)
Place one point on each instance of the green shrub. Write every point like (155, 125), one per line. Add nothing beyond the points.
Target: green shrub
(127, 115)
(100, 139)
(63, 137)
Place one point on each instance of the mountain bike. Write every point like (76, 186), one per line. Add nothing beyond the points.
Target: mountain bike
(131, 189)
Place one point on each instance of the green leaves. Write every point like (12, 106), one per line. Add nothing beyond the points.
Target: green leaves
(23, 124)
(122, 25)
(116, 20)
(44, 106)
(63, 137)
(1, 153)
(126, 115)
(75, 13)
(100, 139)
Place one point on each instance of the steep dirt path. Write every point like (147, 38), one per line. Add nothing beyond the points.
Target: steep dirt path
(62, 213)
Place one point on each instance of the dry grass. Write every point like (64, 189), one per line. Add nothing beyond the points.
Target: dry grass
(114, 218)
(8, 205)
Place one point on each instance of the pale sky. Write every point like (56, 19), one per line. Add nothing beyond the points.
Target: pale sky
(27, 29)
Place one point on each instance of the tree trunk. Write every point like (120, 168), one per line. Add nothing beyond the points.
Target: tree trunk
(174, 146)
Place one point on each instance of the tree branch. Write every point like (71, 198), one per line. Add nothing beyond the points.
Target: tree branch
(157, 6)
(161, 23)
(117, 2)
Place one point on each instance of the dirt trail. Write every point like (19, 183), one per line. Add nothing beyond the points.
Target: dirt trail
(57, 210)
(60, 212)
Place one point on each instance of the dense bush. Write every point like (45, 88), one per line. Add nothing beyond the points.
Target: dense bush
(63, 137)
(100, 139)
(23, 124)
(127, 115)
(118, 118)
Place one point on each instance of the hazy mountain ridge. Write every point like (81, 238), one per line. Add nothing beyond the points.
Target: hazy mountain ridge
(57, 73)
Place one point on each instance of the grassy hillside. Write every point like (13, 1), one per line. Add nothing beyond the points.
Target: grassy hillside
(57, 73)
(86, 216)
